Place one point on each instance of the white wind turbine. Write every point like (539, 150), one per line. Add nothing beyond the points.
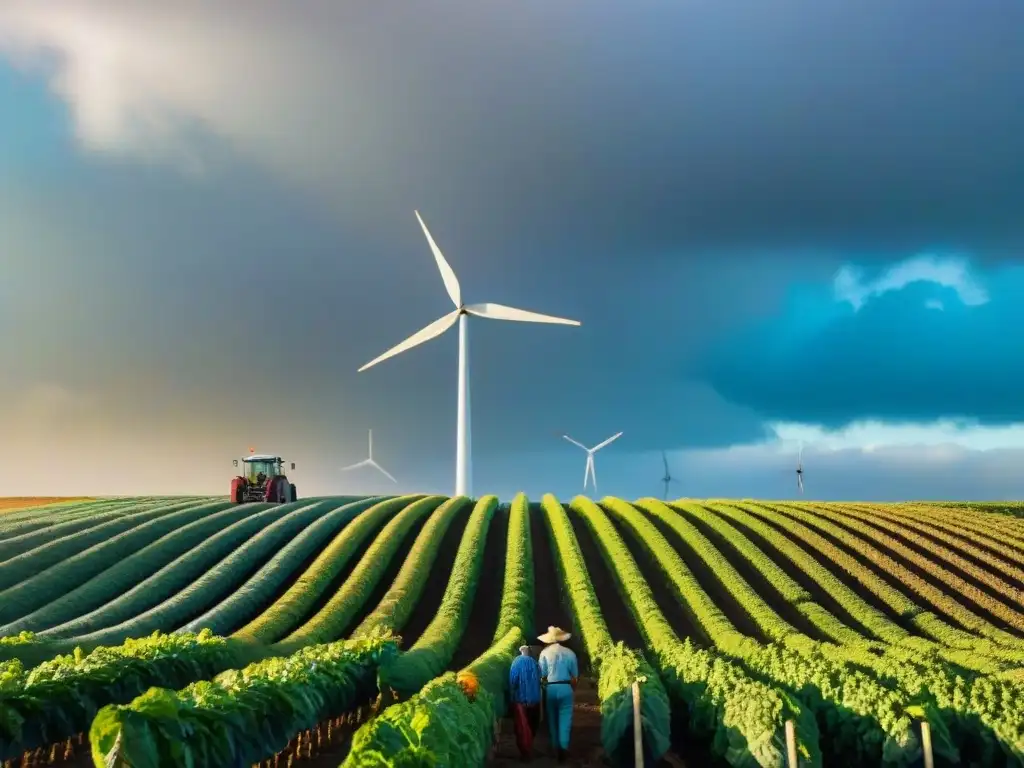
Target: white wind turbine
(667, 479)
(800, 469)
(369, 462)
(589, 472)
(463, 467)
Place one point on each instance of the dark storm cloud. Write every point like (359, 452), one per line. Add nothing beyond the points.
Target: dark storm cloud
(643, 126)
(662, 172)
(918, 353)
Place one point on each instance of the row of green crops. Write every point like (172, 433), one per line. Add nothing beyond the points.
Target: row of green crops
(741, 718)
(397, 604)
(287, 611)
(242, 716)
(184, 570)
(126, 572)
(964, 702)
(49, 522)
(756, 516)
(434, 649)
(333, 620)
(858, 716)
(451, 720)
(947, 547)
(192, 582)
(964, 708)
(944, 601)
(16, 571)
(617, 666)
(247, 599)
(59, 698)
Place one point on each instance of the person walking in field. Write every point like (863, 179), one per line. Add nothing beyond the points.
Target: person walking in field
(524, 690)
(560, 671)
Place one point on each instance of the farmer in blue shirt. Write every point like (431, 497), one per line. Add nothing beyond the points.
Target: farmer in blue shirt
(560, 672)
(524, 690)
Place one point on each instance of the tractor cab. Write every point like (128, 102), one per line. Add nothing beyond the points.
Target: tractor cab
(259, 468)
(262, 479)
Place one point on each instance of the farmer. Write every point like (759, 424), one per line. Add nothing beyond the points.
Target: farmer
(524, 690)
(559, 670)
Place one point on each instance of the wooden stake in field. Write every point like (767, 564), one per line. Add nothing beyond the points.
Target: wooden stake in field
(926, 744)
(791, 755)
(638, 741)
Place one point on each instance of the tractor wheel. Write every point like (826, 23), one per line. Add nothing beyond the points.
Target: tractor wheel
(295, 495)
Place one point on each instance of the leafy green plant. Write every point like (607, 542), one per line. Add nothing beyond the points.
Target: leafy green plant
(59, 698)
(241, 716)
(434, 649)
(442, 724)
(332, 621)
(740, 717)
(617, 666)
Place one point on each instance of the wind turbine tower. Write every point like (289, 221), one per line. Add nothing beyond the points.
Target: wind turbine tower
(461, 314)
(369, 462)
(667, 479)
(800, 469)
(588, 472)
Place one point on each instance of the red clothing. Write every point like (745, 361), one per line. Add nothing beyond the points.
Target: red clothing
(525, 718)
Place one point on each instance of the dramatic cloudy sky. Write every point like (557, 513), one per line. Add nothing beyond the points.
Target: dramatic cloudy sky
(779, 223)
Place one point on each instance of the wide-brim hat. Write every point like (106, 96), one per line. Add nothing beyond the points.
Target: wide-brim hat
(554, 635)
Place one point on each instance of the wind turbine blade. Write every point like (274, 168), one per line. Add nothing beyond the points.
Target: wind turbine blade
(502, 312)
(581, 445)
(451, 282)
(586, 470)
(383, 471)
(357, 465)
(611, 439)
(593, 473)
(371, 445)
(431, 331)
(664, 458)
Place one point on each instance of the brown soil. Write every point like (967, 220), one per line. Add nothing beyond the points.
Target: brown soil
(852, 582)
(616, 613)
(679, 617)
(437, 579)
(393, 567)
(483, 616)
(801, 577)
(758, 582)
(584, 741)
(895, 532)
(711, 584)
(550, 607)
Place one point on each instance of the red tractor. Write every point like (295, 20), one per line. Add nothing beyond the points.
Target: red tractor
(262, 480)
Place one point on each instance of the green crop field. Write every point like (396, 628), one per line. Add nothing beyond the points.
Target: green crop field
(177, 631)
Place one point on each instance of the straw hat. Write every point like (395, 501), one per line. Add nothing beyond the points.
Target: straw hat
(554, 635)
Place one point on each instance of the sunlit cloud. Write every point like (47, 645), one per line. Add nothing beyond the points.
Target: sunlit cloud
(159, 83)
(850, 284)
(872, 435)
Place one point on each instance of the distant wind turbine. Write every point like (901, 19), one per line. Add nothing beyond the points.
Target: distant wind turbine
(589, 472)
(463, 464)
(667, 479)
(369, 462)
(800, 469)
